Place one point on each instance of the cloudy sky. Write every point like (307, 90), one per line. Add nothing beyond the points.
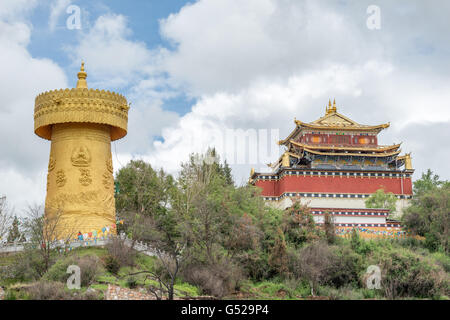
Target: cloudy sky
(199, 73)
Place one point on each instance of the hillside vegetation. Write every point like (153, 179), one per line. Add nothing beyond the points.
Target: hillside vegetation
(213, 238)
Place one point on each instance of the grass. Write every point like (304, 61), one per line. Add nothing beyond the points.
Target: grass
(145, 262)
(273, 290)
(99, 286)
(6, 259)
(83, 251)
(108, 278)
(442, 259)
(184, 289)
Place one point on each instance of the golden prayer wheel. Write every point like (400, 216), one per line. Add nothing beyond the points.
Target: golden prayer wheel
(80, 123)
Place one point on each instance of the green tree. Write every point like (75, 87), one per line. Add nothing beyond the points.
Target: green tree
(278, 258)
(428, 182)
(382, 200)
(298, 224)
(224, 224)
(206, 200)
(14, 233)
(429, 216)
(143, 191)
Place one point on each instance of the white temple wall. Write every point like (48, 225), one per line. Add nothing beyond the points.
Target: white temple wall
(352, 219)
(346, 203)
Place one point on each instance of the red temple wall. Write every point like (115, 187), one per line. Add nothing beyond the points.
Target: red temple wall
(337, 184)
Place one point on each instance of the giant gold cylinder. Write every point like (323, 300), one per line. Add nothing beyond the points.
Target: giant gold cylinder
(80, 180)
(81, 123)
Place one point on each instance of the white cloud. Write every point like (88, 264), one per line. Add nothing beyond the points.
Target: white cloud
(15, 9)
(57, 8)
(109, 53)
(227, 44)
(23, 190)
(259, 64)
(23, 155)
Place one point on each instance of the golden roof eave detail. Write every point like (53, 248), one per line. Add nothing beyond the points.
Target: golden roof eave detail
(344, 128)
(352, 154)
(276, 163)
(407, 158)
(362, 148)
(80, 105)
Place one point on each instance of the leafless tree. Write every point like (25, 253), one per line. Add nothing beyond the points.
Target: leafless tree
(313, 262)
(329, 228)
(165, 275)
(44, 230)
(169, 244)
(5, 217)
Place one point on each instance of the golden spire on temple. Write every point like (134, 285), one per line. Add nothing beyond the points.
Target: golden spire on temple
(331, 109)
(334, 106)
(82, 75)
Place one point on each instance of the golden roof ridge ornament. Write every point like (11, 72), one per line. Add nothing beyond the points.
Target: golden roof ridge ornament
(330, 108)
(82, 75)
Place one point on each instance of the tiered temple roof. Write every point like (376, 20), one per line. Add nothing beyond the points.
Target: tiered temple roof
(337, 142)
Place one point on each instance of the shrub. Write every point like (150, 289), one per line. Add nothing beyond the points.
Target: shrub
(407, 274)
(112, 264)
(27, 266)
(121, 253)
(217, 279)
(278, 256)
(254, 264)
(131, 282)
(57, 272)
(89, 267)
(443, 260)
(48, 290)
(410, 242)
(343, 293)
(312, 263)
(91, 294)
(345, 267)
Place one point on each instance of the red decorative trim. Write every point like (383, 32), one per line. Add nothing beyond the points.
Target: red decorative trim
(334, 184)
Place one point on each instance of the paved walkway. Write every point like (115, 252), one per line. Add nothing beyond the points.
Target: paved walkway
(119, 293)
(139, 246)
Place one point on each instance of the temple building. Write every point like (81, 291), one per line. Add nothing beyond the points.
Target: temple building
(333, 164)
